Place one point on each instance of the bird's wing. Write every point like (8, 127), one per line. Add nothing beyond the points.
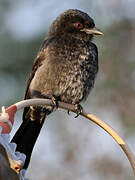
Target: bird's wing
(28, 132)
(36, 65)
(38, 62)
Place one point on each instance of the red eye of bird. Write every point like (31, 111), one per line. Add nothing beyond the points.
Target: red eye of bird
(78, 25)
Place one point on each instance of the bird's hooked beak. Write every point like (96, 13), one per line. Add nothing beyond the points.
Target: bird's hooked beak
(92, 31)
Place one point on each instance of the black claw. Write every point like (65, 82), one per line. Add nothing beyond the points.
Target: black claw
(76, 115)
(68, 112)
(78, 109)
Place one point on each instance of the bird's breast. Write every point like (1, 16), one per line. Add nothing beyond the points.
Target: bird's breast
(83, 71)
(67, 72)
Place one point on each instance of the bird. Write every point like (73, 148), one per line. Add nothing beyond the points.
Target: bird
(64, 70)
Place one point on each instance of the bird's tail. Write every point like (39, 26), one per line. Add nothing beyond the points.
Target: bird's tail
(28, 132)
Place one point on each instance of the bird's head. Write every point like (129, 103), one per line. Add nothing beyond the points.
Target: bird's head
(76, 24)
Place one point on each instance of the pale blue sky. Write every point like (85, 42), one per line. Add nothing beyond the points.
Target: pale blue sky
(28, 18)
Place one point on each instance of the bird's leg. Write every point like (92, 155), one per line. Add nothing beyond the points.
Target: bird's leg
(68, 112)
(78, 109)
(55, 102)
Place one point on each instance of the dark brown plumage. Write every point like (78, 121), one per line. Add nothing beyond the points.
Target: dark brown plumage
(65, 68)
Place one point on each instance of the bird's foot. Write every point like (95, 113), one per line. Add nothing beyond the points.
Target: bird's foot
(78, 109)
(55, 103)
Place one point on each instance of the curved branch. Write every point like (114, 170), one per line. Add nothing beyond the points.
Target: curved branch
(91, 117)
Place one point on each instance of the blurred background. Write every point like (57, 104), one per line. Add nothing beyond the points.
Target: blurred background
(69, 148)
